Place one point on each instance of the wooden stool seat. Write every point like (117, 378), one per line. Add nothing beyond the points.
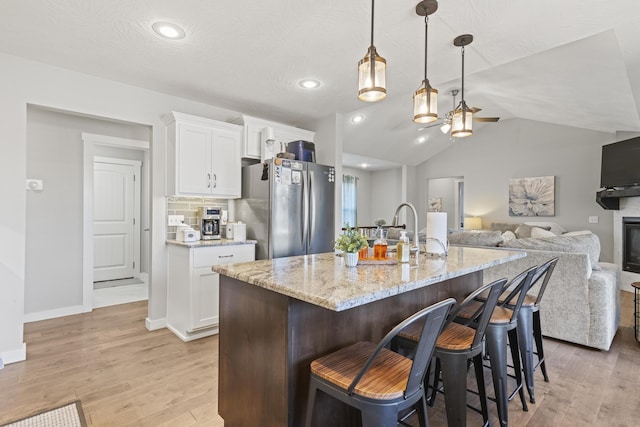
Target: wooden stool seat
(386, 379)
(453, 337)
(500, 314)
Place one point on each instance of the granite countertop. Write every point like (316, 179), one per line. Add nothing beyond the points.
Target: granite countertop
(324, 280)
(206, 243)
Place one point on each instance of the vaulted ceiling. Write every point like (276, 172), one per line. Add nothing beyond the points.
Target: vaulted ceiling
(572, 62)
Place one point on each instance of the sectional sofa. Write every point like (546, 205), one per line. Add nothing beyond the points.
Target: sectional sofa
(581, 304)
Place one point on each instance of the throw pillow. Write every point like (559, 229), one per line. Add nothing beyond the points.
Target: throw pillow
(554, 227)
(539, 232)
(585, 243)
(475, 238)
(524, 231)
(508, 235)
(503, 226)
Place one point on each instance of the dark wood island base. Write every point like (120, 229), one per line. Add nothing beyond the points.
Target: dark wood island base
(268, 339)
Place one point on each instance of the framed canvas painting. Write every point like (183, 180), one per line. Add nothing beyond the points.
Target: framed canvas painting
(532, 196)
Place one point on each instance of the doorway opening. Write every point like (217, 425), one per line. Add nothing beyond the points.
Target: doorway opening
(447, 195)
(113, 231)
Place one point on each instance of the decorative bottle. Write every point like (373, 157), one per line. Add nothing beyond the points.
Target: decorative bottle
(403, 248)
(380, 246)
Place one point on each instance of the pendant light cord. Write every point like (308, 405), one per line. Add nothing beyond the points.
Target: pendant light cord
(426, 39)
(462, 92)
(372, 11)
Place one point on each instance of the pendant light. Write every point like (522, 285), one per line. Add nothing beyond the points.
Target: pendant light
(371, 73)
(462, 120)
(425, 99)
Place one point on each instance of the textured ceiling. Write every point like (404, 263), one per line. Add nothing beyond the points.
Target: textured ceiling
(574, 62)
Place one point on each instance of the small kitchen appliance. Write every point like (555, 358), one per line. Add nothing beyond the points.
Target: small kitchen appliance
(185, 233)
(236, 231)
(209, 218)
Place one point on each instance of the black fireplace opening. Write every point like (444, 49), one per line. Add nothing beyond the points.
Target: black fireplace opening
(631, 244)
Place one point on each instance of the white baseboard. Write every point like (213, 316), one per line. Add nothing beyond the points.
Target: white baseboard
(153, 325)
(190, 336)
(52, 314)
(13, 356)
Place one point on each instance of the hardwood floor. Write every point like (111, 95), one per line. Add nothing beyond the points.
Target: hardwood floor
(127, 376)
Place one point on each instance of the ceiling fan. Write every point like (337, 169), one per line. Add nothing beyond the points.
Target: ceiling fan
(445, 125)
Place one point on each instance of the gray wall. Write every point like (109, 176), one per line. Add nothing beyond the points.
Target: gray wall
(53, 275)
(519, 148)
(386, 195)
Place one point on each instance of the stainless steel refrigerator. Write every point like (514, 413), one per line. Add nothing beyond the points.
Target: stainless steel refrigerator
(288, 207)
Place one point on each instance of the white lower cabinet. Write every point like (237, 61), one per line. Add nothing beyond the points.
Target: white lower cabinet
(193, 289)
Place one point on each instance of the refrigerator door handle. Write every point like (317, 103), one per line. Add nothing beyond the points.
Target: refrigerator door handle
(306, 189)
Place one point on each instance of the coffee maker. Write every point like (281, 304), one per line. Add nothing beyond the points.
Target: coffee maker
(209, 221)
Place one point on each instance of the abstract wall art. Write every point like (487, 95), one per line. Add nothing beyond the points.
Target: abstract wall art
(532, 196)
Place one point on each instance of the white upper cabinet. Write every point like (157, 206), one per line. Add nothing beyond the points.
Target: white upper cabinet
(203, 157)
(257, 131)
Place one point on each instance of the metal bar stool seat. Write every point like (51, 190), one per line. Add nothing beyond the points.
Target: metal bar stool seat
(381, 383)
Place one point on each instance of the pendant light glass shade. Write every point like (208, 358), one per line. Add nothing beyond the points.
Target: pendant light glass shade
(425, 104)
(462, 122)
(371, 80)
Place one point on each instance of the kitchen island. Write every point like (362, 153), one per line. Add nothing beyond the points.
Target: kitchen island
(276, 316)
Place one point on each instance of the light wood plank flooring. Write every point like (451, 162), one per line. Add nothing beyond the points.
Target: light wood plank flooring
(128, 376)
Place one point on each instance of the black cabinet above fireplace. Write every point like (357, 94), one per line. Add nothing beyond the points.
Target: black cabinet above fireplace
(610, 199)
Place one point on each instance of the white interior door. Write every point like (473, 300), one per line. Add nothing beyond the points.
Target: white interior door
(114, 219)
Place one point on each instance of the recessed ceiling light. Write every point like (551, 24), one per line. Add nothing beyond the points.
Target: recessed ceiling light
(309, 83)
(168, 30)
(420, 129)
(364, 166)
(421, 139)
(357, 118)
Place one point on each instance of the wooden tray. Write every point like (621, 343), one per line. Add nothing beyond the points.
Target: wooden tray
(388, 261)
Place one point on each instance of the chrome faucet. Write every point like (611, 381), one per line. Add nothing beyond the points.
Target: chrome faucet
(416, 245)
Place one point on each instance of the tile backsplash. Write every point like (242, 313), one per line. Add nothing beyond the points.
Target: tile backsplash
(188, 206)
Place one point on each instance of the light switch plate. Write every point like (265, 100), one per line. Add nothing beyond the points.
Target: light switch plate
(175, 220)
(593, 220)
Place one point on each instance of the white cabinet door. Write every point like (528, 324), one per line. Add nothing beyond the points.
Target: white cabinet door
(193, 149)
(252, 141)
(225, 164)
(205, 295)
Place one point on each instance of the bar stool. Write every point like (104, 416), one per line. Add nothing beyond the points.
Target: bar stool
(380, 383)
(457, 345)
(502, 327)
(529, 329)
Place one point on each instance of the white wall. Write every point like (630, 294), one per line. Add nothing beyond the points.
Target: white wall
(54, 232)
(328, 140)
(24, 82)
(386, 195)
(519, 148)
(446, 189)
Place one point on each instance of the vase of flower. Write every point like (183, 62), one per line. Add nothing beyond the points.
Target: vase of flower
(350, 259)
(350, 242)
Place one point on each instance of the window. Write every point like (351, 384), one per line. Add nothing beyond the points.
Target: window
(349, 200)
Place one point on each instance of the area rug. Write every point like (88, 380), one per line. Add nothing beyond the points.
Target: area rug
(69, 415)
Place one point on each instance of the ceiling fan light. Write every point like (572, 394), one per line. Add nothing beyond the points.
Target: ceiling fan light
(445, 128)
(372, 81)
(425, 104)
(462, 122)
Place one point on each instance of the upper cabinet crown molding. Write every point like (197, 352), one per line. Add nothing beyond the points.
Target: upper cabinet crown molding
(203, 157)
(255, 136)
